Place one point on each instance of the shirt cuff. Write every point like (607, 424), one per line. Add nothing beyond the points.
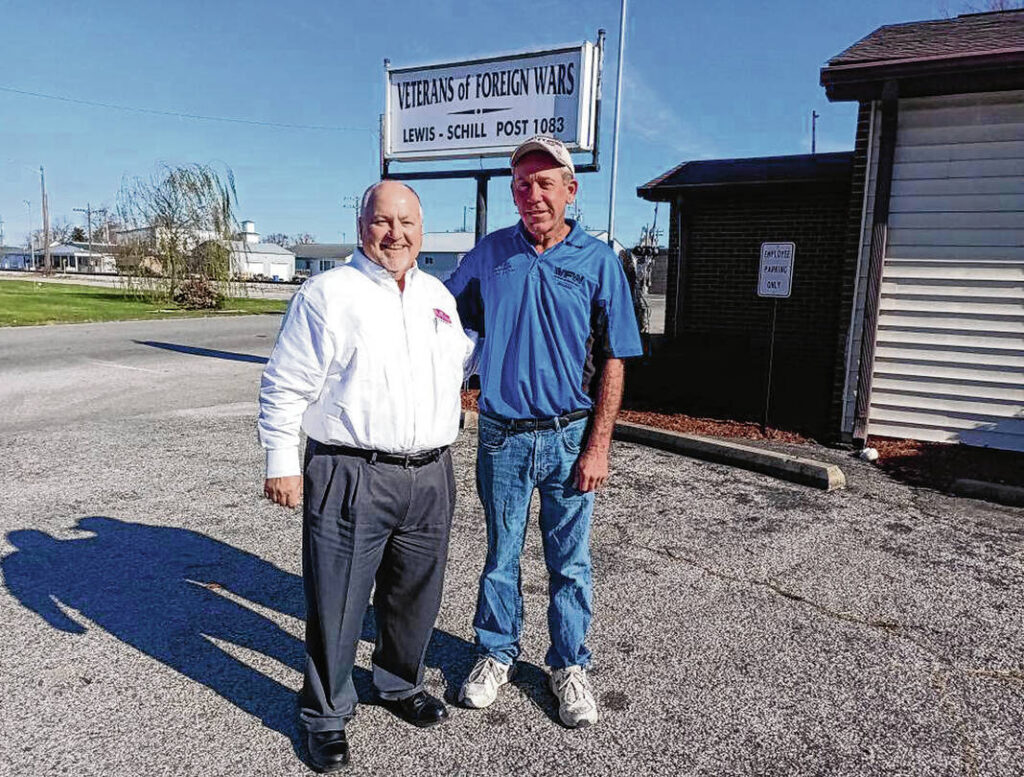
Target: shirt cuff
(283, 462)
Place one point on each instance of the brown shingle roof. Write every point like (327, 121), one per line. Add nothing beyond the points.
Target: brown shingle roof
(967, 35)
(981, 52)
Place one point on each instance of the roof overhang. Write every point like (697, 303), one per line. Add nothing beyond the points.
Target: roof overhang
(925, 76)
(712, 176)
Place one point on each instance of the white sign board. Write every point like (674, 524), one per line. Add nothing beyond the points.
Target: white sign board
(775, 277)
(487, 107)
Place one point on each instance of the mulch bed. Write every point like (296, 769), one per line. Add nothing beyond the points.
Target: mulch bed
(937, 464)
(934, 465)
(679, 422)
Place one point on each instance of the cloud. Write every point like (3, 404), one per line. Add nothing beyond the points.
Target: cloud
(646, 115)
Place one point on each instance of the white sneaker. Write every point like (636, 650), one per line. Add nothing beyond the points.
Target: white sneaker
(481, 687)
(576, 705)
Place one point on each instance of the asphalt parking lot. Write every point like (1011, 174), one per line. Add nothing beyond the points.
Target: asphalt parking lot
(152, 614)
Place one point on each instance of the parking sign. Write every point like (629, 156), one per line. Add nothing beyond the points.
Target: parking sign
(775, 278)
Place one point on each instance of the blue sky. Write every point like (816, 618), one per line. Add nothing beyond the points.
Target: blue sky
(701, 80)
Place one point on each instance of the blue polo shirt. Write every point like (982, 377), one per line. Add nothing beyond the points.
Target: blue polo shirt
(545, 319)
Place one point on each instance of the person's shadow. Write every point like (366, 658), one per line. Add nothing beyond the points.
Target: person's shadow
(169, 592)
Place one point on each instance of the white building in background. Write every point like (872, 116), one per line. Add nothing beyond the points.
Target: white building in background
(439, 256)
(80, 258)
(252, 259)
(442, 252)
(313, 258)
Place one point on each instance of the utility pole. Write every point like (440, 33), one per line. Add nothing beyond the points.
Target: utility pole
(465, 209)
(46, 222)
(88, 211)
(814, 131)
(352, 201)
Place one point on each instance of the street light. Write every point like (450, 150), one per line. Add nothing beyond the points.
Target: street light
(465, 209)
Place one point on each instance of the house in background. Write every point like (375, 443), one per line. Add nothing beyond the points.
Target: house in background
(15, 258)
(80, 258)
(439, 256)
(442, 252)
(313, 258)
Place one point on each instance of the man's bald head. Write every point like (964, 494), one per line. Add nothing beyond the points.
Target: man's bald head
(371, 192)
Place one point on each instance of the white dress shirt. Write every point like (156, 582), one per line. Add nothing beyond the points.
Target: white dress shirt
(360, 363)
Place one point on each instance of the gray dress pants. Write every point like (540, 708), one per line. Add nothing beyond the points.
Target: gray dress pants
(367, 524)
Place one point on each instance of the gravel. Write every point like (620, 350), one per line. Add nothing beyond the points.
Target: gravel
(152, 615)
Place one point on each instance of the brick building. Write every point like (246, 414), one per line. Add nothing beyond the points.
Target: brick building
(717, 328)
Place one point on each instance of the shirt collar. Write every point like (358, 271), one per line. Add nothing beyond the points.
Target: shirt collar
(375, 272)
(574, 238)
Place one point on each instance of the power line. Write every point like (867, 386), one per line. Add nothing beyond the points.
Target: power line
(178, 115)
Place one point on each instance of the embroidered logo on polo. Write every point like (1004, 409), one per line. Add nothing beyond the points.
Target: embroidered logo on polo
(504, 268)
(568, 277)
(440, 315)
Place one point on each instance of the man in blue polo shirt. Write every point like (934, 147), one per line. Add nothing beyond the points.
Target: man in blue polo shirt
(555, 312)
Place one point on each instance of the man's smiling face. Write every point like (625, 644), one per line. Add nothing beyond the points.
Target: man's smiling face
(541, 193)
(391, 227)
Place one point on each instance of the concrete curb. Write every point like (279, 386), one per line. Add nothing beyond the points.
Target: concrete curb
(992, 492)
(779, 465)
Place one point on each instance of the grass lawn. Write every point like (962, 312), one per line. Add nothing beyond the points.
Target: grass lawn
(26, 303)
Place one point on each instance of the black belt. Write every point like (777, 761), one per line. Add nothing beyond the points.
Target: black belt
(380, 457)
(532, 424)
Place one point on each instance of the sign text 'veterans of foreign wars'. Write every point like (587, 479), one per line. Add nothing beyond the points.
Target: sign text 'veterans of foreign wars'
(488, 107)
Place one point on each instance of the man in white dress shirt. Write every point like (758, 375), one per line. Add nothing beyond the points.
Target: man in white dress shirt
(369, 364)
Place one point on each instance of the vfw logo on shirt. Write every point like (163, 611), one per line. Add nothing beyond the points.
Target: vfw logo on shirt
(568, 277)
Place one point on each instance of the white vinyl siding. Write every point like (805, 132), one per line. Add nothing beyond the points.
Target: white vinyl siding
(949, 359)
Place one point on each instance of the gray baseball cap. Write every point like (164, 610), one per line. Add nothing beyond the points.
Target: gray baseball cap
(553, 148)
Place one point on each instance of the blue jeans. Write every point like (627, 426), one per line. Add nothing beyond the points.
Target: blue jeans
(510, 465)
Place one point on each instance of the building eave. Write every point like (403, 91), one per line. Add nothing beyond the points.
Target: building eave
(925, 76)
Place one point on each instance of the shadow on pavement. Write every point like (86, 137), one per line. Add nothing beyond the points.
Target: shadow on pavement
(170, 592)
(195, 350)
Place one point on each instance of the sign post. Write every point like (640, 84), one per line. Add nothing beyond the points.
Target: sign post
(486, 108)
(775, 281)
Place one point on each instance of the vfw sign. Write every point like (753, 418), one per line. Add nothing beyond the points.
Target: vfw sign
(487, 107)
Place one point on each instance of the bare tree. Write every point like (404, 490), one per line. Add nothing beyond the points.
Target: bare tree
(61, 231)
(303, 238)
(167, 217)
(278, 238)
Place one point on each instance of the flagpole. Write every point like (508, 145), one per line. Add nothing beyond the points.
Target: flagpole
(615, 130)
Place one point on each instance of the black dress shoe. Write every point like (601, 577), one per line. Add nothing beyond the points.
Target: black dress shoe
(421, 709)
(328, 750)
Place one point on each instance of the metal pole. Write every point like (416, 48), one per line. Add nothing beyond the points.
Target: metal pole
(481, 206)
(615, 130)
(814, 131)
(771, 364)
(46, 222)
